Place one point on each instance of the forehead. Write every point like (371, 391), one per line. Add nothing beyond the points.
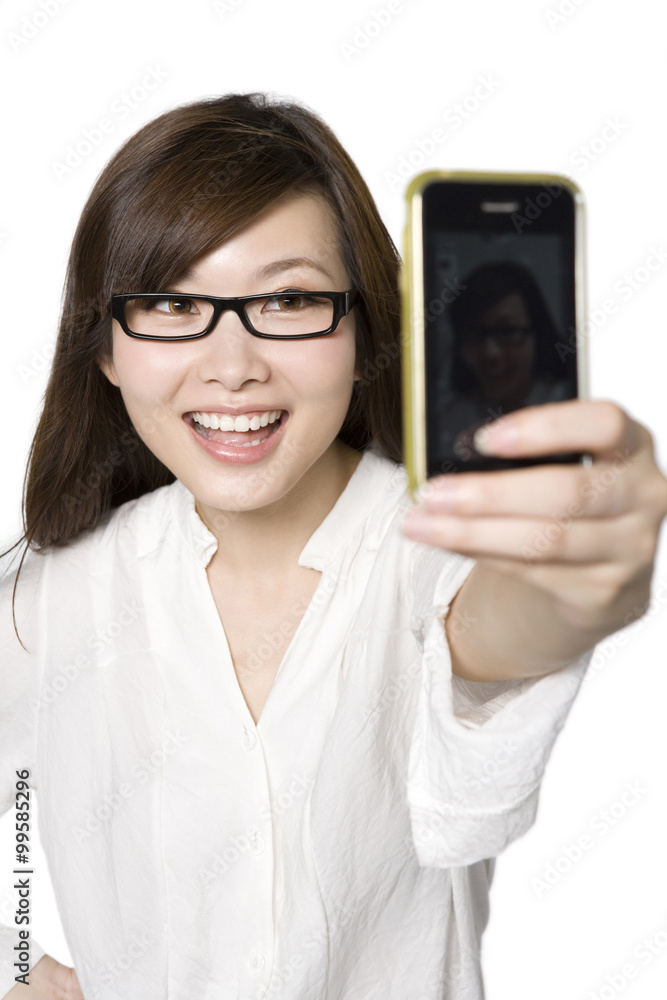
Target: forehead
(297, 233)
(510, 307)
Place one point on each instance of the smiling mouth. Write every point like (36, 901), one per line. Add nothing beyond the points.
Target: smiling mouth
(236, 438)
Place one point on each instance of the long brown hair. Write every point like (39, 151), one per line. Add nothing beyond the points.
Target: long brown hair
(182, 185)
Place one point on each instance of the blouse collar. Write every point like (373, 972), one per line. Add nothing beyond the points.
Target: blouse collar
(364, 488)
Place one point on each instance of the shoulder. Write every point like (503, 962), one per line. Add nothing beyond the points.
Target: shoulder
(53, 596)
(124, 532)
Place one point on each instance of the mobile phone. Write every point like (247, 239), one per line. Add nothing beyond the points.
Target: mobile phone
(492, 292)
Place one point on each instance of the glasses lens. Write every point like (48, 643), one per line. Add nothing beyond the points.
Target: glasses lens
(290, 313)
(176, 316)
(506, 336)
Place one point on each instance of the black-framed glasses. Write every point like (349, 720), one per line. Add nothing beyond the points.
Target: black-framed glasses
(508, 335)
(290, 315)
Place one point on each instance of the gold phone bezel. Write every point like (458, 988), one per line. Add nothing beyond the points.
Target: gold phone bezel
(412, 303)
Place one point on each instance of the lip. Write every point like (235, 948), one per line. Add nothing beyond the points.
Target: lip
(234, 411)
(248, 455)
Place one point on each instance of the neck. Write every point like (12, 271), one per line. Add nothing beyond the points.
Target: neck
(267, 542)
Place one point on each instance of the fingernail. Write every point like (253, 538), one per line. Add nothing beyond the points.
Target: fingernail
(500, 434)
(418, 525)
(443, 493)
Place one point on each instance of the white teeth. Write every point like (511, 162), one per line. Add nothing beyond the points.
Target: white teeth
(225, 422)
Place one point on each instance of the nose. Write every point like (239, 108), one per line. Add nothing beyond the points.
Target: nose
(491, 346)
(230, 354)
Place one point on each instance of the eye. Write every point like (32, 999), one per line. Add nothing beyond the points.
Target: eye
(290, 301)
(176, 307)
(283, 303)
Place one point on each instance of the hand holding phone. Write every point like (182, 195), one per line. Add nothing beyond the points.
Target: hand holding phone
(493, 294)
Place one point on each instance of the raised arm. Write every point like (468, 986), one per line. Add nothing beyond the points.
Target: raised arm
(565, 553)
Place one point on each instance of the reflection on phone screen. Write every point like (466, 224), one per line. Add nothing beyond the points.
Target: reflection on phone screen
(499, 331)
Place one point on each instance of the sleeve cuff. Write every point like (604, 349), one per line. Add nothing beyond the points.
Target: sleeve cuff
(478, 751)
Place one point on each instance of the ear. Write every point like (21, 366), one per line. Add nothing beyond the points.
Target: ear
(106, 366)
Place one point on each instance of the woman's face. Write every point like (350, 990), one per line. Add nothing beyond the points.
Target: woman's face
(310, 381)
(501, 350)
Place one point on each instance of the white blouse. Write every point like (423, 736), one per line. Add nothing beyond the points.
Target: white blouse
(340, 849)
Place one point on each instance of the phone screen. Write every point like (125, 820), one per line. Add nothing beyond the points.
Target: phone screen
(499, 311)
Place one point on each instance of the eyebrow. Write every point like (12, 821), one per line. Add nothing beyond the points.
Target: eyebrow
(274, 268)
(278, 266)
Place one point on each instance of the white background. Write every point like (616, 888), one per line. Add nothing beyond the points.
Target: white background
(557, 80)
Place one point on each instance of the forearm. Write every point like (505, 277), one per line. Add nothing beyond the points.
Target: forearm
(500, 628)
(48, 980)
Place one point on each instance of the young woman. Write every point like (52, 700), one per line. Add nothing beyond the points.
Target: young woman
(278, 729)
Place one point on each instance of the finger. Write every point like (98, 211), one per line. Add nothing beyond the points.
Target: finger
(598, 584)
(597, 427)
(622, 539)
(603, 490)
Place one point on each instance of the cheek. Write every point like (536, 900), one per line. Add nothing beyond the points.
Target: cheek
(527, 355)
(322, 368)
(147, 376)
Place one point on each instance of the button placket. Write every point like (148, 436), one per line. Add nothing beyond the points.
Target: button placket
(256, 962)
(248, 739)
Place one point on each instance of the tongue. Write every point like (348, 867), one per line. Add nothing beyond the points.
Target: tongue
(241, 437)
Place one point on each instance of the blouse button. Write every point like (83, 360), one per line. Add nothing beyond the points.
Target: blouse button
(257, 842)
(249, 739)
(256, 962)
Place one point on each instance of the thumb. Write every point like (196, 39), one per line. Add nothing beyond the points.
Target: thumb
(71, 984)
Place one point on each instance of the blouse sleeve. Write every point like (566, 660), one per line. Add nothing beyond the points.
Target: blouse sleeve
(478, 751)
(20, 683)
